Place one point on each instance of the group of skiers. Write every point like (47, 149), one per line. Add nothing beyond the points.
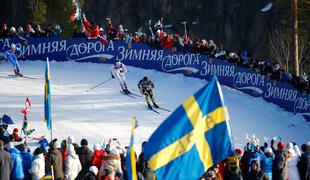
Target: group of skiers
(145, 85)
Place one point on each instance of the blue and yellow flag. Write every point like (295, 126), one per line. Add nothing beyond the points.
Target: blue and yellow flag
(25, 125)
(193, 138)
(47, 98)
(131, 155)
(48, 176)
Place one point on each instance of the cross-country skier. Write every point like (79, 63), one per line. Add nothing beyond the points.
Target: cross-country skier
(118, 70)
(12, 55)
(146, 85)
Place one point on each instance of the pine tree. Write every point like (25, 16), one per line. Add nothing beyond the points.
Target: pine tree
(37, 11)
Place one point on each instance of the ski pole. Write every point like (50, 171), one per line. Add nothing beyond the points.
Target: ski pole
(99, 84)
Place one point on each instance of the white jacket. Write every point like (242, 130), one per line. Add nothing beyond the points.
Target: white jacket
(38, 167)
(72, 164)
(293, 172)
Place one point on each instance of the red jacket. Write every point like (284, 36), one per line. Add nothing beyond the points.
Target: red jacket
(98, 158)
(92, 32)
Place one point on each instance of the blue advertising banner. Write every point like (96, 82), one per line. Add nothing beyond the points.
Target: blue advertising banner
(149, 57)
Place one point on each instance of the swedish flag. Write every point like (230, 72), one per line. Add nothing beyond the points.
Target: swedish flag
(48, 176)
(47, 98)
(193, 138)
(25, 125)
(131, 155)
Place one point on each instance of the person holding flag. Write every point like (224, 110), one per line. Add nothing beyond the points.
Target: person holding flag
(195, 136)
(131, 169)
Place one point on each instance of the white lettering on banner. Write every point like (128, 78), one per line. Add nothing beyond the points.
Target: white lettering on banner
(139, 54)
(280, 93)
(302, 105)
(180, 62)
(6, 43)
(216, 69)
(84, 51)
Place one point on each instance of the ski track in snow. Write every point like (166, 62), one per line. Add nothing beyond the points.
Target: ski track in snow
(106, 113)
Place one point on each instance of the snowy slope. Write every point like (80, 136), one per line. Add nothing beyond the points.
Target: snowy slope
(106, 113)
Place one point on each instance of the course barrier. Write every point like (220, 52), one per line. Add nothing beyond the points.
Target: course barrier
(149, 57)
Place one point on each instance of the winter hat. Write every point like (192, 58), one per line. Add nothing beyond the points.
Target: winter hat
(238, 151)
(289, 146)
(269, 150)
(119, 174)
(15, 130)
(37, 151)
(84, 142)
(1, 144)
(93, 169)
(70, 140)
(53, 144)
(63, 144)
(97, 147)
(281, 145)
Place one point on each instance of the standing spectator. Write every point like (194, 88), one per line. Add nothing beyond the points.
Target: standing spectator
(17, 171)
(5, 31)
(97, 156)
(30, 32)
(39, 32)
(13, 32)
(54, 158)
(27, 159)
(85, 156)
(233, 166)
(72, 164)
(266, 162)
(111, 162)
(38, 165)
(280, 163)
(5, 163)
(142, 165)
(92, 29)
(305, 163)
(57, 30)
(256, 173)
(292, 161)
(64, 152)
(92, 173)
(16, 136)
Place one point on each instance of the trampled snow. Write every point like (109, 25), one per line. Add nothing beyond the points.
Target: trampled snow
(106, 113)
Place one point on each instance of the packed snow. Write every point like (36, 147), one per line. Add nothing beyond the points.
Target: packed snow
(106, 113)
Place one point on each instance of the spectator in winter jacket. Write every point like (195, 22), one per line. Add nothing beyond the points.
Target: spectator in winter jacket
(54, 158)
(72, 164)
(293, 154)
(305, 163)
(256, 173)
(85, 156)
(27, 159)
(5, 163)
(233, 166)
(91, 29)
(17, 171)
(38, 165)
(16, 136)
(143, 167)
(4, 31)
(91, 174)
(266, 162)
(64, 152)
(280, 163)
(112, 161)
(97, 156)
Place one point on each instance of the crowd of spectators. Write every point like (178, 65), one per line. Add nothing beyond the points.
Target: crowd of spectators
(106, 161)
(157, 37)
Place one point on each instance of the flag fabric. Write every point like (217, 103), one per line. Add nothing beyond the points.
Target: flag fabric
(47, 98)
(48, 176)
(103, 39)
(27, 106)
(193, 138)
(77, 14)
(7, 119)
(25, 125)
(131, 155)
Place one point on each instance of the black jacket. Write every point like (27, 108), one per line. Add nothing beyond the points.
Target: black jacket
(85, 156)
(305, 166)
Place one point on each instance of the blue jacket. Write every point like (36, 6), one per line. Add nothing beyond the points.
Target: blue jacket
(17, 171)
(266, 164)
(27, 160)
